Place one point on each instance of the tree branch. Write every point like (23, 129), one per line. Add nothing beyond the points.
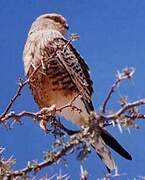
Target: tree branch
(54, 157)
(125, 109)
(18, 93)
(127, 73)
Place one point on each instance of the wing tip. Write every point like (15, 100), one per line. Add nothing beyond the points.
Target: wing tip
(114, 144)
(128, 157)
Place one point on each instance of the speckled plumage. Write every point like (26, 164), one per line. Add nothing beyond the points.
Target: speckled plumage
(56, 83)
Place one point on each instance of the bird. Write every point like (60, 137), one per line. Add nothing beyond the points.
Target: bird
(64, 76)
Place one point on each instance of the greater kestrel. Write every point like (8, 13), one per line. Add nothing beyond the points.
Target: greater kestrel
(62, 76)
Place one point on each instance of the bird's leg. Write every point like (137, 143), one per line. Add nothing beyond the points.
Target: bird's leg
(46, 115)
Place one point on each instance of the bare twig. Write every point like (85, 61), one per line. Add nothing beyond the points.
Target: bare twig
(121, 112)
(70, 105)
(39, 116)
(18, 93)
(126, 108)
(136, 116)
(84, 174)
(126, 74)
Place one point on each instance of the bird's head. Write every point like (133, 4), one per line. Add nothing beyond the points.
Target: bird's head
(50, 21)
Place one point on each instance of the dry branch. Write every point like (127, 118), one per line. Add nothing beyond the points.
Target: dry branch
(127, 73)
(47, 115)
(18, 93)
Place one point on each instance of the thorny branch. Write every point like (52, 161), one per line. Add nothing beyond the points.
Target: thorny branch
(52, 158)
(126, 74)
(125, 116)
(44, 116)
(18, 93)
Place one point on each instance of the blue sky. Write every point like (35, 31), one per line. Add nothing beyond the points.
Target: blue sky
(112, 36)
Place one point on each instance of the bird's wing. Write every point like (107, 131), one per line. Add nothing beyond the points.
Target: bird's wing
(77, 69)
(114, 144)
(79, 72)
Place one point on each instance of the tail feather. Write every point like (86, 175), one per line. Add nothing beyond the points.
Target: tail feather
(105, 154)
(112, 142)
(101, 147)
